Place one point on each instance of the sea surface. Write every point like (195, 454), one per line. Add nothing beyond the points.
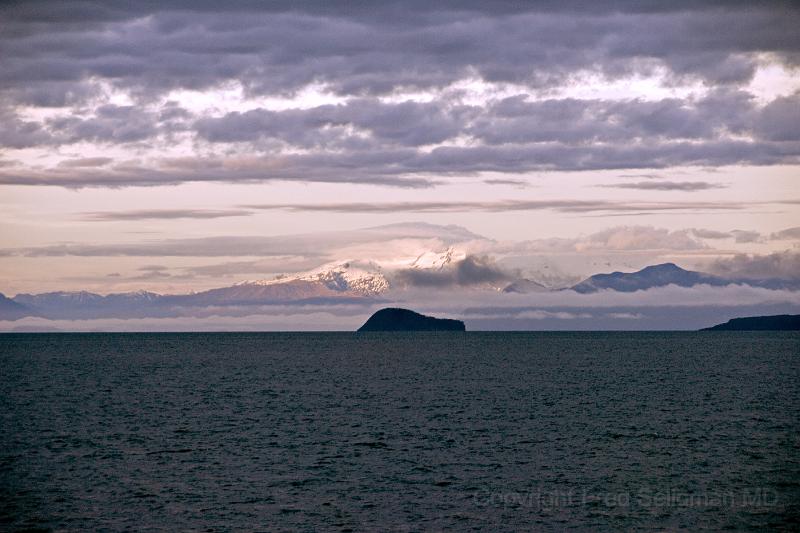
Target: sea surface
(400, 432)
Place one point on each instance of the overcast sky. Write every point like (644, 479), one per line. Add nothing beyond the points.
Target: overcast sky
(178, 146)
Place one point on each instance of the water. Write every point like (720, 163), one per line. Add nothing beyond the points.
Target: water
(400, 432)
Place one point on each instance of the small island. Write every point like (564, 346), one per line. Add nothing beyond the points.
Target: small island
(396, 319)
(759, 323)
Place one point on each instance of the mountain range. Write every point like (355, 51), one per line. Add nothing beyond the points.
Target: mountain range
(339, 282)
(669, 274)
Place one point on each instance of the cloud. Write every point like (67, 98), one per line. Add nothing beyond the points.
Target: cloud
(150, 275)
(627, 316)
(780, 119)
(396, 147)
(518, 119)
(85, 162)
(685, 186)
(472, 270)
(406, 124)
(627, 238)
(110, 124)
(659, 297)
(565, 206)
(450, 233)
(516, 183)
(193, 247)
(19, 133)
(153, 267)
(350, 317)
(710, 234)
(365, 123)
(310, 245)
(530, 314)
(274, 318)
(164, 214)
(742, 236)
(261, 268)
(789, 233)
(388, 46)
(95, 75)
(315, 167)
(781, 265)
(558, 260)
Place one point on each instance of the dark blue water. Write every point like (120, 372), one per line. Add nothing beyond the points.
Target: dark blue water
(400, 432)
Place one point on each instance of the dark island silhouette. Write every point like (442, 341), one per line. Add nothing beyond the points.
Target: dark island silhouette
(397, 319)
(759, 323)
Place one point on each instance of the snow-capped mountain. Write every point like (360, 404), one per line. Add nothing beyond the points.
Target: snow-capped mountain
(58, 299)
(133, 297)
(82, 304)
(365, 279)
(437, 260)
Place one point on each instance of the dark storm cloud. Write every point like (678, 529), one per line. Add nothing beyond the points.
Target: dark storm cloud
(375, 48)
(408, 167)
(780, 119)
(405, 124)
(19, 133)
(518, 120)
(65, 54)
(472, 270)
(511, 121)
(113, 124)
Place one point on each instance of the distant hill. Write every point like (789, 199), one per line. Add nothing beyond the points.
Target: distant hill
(524, 286)
(671, 274)
(396, 319)
(647, 278)
(760, 323)
(83, 304)
(11, 310)
(329, 283)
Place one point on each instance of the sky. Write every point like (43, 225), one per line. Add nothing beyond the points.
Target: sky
(180, 146)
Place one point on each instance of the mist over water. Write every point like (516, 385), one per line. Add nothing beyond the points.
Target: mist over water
(403, 432)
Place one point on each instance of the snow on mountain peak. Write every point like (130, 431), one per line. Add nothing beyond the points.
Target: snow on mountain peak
(437, 260)
(363, 278)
